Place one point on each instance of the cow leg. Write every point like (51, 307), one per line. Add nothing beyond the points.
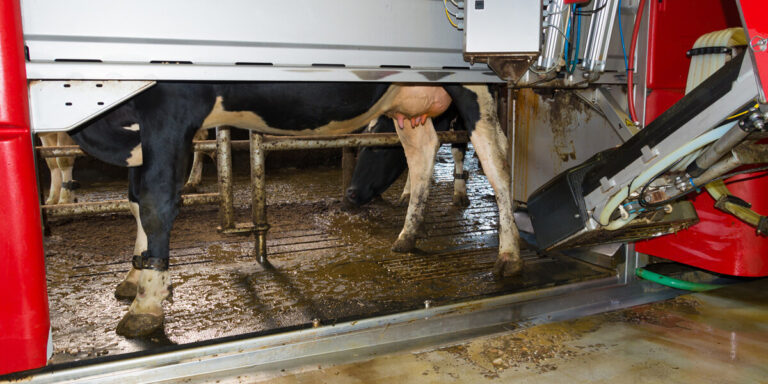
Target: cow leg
(128, 287)
(406, 195)
(49, 140)
(66, 164)
(478, 109)
(460, 198)
(420, 145)
(159, 200)
(196, 173)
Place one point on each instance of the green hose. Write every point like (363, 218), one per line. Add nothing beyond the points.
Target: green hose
(674, 283)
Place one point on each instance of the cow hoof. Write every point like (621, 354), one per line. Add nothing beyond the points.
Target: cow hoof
(404, 245)
(461, 200)
(403, 200)
(126, 290)
(139, 325)
(504, 267)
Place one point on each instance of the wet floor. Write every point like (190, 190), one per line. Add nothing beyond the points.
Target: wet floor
(326, 264)
(715, 337)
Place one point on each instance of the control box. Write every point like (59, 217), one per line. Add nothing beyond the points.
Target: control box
(502, 27)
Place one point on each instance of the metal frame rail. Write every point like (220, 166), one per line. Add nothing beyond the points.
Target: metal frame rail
(258, 145)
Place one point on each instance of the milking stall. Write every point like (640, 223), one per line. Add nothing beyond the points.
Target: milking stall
(372, 191)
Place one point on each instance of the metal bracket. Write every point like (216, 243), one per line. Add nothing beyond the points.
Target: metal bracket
(614, 113)
(57, 105)
(607, 185)
(648, 153)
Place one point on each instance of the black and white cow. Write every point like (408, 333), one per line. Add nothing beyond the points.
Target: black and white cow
(152, 133)
(377, 168)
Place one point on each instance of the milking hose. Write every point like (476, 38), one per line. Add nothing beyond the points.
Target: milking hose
(674, 283)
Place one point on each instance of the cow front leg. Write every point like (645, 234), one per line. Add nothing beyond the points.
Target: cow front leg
(460, 176)
(490, 145)
(128, 287)
(420, 145)
(159, 198)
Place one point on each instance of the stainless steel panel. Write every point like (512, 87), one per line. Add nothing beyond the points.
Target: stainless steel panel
(502, 26)
(354, 33)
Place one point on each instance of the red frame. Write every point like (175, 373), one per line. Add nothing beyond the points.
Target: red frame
(720, 242)
(24, 324)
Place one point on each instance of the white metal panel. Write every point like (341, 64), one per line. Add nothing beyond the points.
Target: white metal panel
(355, 33)
(63, 105)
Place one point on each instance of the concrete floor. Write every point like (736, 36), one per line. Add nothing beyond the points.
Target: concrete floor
(325, 263)
(715, 337)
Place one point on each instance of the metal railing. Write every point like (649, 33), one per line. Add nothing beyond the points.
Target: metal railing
(258, 145)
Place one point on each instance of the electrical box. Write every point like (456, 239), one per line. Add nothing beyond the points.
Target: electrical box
(502, 27)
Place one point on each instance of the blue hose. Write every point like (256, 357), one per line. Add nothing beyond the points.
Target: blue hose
(567, 38)
(576, 48)
(621, 34)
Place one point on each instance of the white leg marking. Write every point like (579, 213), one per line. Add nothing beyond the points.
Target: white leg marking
(420, 145)
(66, 165)
(154, 287)
(459, 185)
(490, 146)
(139, 246)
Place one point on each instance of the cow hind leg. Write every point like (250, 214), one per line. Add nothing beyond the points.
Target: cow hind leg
(460, 198)
(49, 140)
(490, 146)
(420, 145)
(196, 172)
(66, 165)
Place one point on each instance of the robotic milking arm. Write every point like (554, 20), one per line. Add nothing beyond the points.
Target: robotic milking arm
(633, 191)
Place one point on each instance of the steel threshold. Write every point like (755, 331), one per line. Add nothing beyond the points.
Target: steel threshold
(363, 338)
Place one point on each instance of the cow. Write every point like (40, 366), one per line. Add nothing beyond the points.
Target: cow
(378, 167)
(63, 187)
(152, 135)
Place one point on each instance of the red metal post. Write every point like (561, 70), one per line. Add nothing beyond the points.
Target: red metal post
(24, 322)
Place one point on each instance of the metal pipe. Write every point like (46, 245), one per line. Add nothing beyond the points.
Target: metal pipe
(600, 30)
(61, 151)
(554, 42)
(259, 196)
(224, 170)
(116, 206)
(348, 161)
(715, 151)
(743, 154)
(284, 143)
